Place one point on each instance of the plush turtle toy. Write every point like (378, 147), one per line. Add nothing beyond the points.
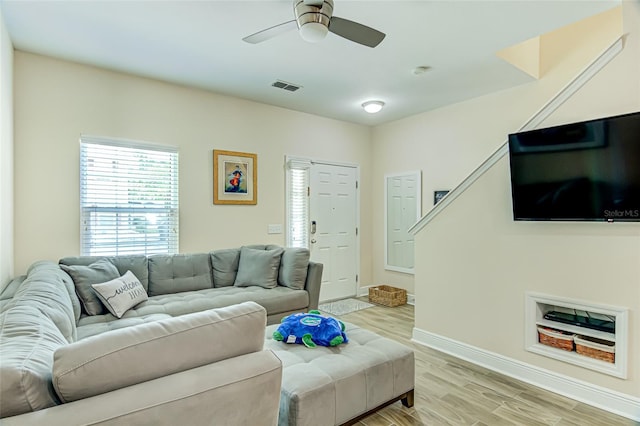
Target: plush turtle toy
(311, 329)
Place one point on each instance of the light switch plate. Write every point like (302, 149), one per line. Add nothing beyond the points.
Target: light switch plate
(275, 229)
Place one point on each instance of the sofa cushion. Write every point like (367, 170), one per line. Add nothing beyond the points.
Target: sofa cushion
(127, 356)
(262, 246)
(275, 301)
(92, 328)
(50, 290)
(29, 340)
(179, 272)
(225, 266)
(84, 276)
(258, 267)
(138, 264)
(293, 267)
(121, 294)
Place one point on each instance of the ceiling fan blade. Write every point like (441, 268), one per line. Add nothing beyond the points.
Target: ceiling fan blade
(355, 32)
(264, 35)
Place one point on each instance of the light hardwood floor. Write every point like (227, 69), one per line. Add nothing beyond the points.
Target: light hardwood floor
(450, 391)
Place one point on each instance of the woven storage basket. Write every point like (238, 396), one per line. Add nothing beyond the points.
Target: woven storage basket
(387, 295)
(555, 338)
(603, 350)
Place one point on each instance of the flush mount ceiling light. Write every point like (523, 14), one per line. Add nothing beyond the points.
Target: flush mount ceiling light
(373, 106)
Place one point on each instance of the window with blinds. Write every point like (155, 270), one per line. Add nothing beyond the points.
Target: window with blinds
(298, 203)
(128, 198)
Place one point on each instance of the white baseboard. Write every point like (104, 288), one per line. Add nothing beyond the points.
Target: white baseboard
(606, 399)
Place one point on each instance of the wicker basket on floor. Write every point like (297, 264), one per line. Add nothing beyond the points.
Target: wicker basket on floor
(387, 296)
(555, 338)
(603, 350)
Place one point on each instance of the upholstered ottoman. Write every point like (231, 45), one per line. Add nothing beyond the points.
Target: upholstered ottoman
(333, 386)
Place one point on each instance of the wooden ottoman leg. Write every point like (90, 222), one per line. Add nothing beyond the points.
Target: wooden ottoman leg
(407, 399)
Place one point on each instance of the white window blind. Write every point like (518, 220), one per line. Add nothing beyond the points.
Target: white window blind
(128, 198)
(298, 203)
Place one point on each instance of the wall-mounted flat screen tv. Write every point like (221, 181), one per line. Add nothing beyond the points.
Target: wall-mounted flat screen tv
(586, 171)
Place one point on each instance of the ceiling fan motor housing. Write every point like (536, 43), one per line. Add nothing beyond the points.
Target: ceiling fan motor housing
(313, 18)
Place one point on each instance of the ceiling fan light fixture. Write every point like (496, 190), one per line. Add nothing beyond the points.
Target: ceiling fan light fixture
(373, 106)
(313, 32)
(314, 19)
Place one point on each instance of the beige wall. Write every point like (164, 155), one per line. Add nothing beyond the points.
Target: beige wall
(473, 258)
(6, 156)
(449, 143)
(56, 101)
(446, 145)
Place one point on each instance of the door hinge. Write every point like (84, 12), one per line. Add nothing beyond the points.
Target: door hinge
(356, 277)
(356, 231)
(356, 184)
(308, 191)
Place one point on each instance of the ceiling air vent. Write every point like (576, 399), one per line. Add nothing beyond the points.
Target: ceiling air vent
(285, 86)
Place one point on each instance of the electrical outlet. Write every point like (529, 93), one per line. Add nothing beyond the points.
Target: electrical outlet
(274, 229)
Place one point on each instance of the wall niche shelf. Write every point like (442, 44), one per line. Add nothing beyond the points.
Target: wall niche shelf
(537, 305)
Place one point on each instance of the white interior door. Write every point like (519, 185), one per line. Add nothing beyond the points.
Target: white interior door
(333, 216)
(402, 211)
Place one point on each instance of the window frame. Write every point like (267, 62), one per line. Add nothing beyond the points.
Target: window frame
(126, 226)
(298, 171)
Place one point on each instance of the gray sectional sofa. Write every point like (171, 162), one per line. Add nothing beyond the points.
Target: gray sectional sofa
(183, 354)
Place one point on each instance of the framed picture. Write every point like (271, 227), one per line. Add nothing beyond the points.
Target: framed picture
(235, 177)
(438, 195)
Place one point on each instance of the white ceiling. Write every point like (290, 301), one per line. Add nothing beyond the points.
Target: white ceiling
(199, 43)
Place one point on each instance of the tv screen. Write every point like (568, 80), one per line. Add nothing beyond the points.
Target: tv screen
(586, 171)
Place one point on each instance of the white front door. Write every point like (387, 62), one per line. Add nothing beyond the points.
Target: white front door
(333, 215)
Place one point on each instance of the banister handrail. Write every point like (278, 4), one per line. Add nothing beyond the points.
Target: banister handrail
(536, 119)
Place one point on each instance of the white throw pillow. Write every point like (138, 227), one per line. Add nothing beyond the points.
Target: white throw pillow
(121, 294)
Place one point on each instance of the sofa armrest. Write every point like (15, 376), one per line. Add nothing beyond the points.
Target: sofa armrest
(131, 355)
(313, 282)
(243, 390)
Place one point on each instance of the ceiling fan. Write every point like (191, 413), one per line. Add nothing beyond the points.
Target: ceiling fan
(313, 19)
